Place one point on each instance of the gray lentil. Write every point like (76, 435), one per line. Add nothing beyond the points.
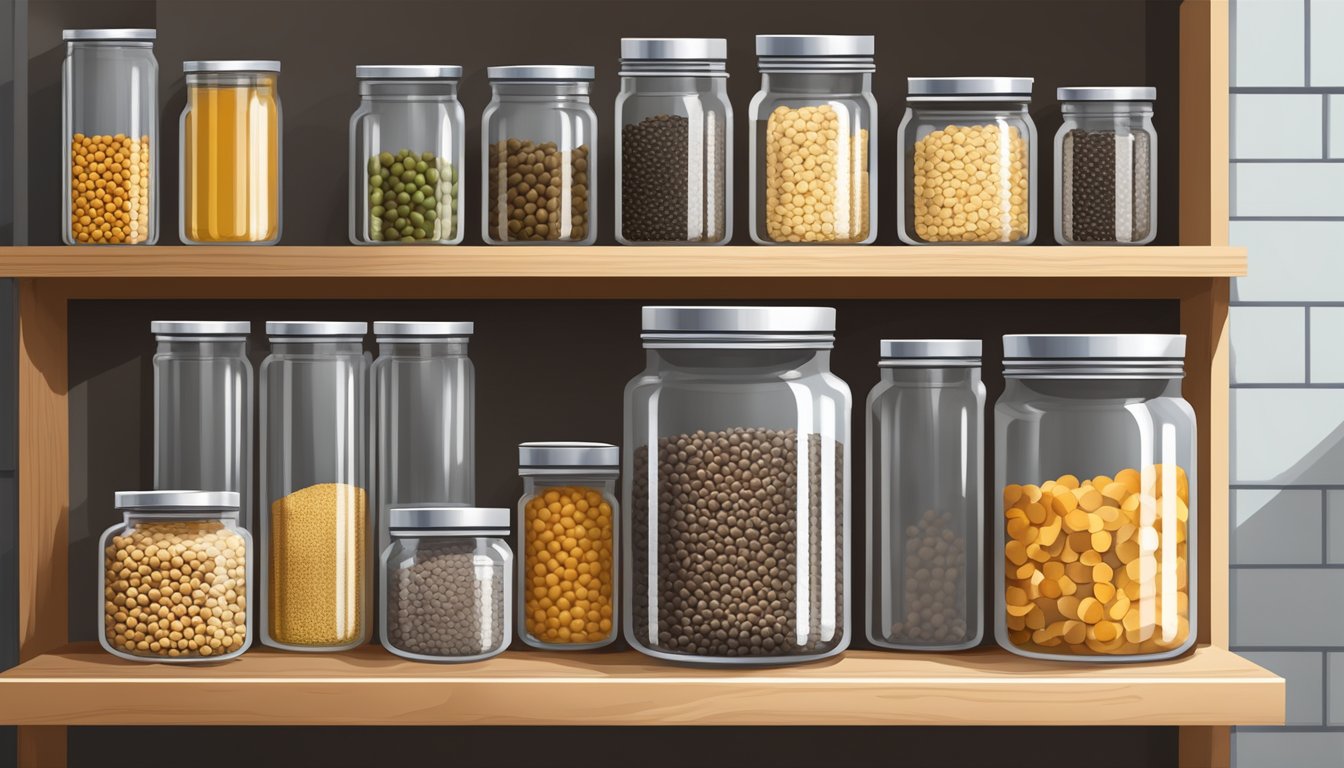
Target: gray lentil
(439, 606)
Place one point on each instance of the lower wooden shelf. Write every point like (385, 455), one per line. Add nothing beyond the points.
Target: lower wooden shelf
(81, 685)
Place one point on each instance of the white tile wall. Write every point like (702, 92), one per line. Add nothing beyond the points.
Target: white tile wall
(1327, 33)
(1335, 141)
(1269, 345)
(1288, 190)
(1276, 126)
(1287, 437)
(1269, 43)
(1290, 260)
(1327, 344)
(1287, 608)
(1278, 526)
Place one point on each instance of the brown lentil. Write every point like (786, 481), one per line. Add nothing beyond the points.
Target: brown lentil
(109, 189)
(968, 186)
(537, 191)
(568, 566)
(816, 177)
(317, 568)
(933, 584)
(439, 606)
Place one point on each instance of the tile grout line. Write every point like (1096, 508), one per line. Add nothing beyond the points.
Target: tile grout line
(1325, 127)
(1306, 341)
(1306, 45)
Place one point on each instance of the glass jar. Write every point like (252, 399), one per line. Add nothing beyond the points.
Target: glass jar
(203, 407)
(1095, 461)
(446, 583)
(1106, 167)
(230, 174)
(968, 162)
(110, 117)
(819, 87)
(674, 142)
(567, 521)
(925, 496)
(539, 125)
(740, 519)
(148, 615)
(406, 153)
(315, 537)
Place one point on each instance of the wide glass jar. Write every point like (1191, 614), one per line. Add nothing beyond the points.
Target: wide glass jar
(203, 407)
(447, 583)
(230, 172)
(674, 142)
(110, 117)
(567, 522)
(737, 438)
(967, 162)
(926, 423)
(539, 157)
(1106, 167)
(176, 578)
(814, 140)
(315, 519)
(1095, 462)
(406, 154)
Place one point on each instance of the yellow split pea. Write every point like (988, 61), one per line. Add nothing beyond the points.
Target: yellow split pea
(567, 577)
(816, 176)
(109, 189)
(971, 184)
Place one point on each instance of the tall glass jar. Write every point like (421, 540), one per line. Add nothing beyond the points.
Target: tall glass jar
(737, 434)
(814, 141)
(1095, 461)
(406, 154)
(674, 142)
(539, 159)
(110, 116)
(203, 407)
(567, 521)
(926, 422)
(315, 521)
(230, 172)
(1106, 167)
(967, 162)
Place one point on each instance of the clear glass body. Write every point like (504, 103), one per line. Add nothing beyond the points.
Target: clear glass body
(728, 563)
(674, 156)
(315, 519)
(203, 416)
(230, 171)
(823, 190)
(150, 615)
(925, 508)
(110, 117)
(406, 155)
(1106, 174)
(960, 182)
(539, 164)
(446, 597)
(1095, 535)
(567, 595)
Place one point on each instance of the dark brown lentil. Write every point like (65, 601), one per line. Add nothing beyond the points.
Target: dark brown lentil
(1091, 210)
(528, 187)
(654, 178)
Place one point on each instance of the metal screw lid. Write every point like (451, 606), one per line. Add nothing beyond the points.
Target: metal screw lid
(109, 35)
(541, 72)
(930, 349)
(399, 328)
(186, 501)
(445, 517)
(697, 319)
(793, 46)
(969, 88)
(200, 327)
(282, 328)
(407, 72)
(232, 65)
(562, 454)
(1106, 93)
(674, 48)
(1101, 347)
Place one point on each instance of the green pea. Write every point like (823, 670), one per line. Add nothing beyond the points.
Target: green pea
(432, 175)
(419, 180)
(452, 175)
(403, 210)
(418, 219)
(408, 230)
(377, 212)
(403, 197)
(430, 215)
(386, 159)
(403, 153)
(408, 239)
(419, 233)
(374, 165)
(375, 180)
(408, 175)
(399, 223)
(421, 167)
(429, 204)
(417, 198)
(376, 197)
(428, 157)
(398, 187)
(426, 191)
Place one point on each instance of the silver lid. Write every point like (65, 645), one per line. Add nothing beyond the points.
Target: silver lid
(315, 328)
(109, 35)
(177, 500)
(443, 517)
(407, 72)
(930, 349)
(540, 72)
(786, 320)
(1100, 347)
(793, 46)
(963, 88)
(1107, 93)
(232, 65)
(568, 454)
(386, 328)
(674, 48)
(200, 327)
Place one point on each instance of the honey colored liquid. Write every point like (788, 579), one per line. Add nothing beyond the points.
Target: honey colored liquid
(231, 163)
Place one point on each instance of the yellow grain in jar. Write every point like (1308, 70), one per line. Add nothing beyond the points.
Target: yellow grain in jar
(567, 565)
(317, 566)
(816, 176)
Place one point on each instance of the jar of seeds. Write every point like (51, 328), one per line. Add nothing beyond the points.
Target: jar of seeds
(1106, 167)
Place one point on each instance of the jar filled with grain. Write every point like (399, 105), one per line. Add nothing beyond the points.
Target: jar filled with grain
(447, 583)
(316, 528)
(737, 438)
(176, 578)
(567, 522)
(110, 118)
(926, 423)
(814, 141)
(1106, 167)
(967, 162)
(539, 157)
(1095, 539)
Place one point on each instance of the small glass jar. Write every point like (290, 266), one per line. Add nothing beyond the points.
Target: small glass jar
(110, 112)
(203, 407)
(737, 437)
(567, 595)
(406, 154)
(149, 615)
(968, 162)
(1095, 460)
(230, 176)
(674, 142)
(1106, 167)
(821, 188)
(315, 527)
(539, 159)
(926, 423)
(446, 583)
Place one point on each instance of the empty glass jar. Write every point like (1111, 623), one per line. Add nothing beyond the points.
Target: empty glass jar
(1106, 167)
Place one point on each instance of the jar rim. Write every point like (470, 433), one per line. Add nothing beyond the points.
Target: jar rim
(543, 72)
(932, 351)
(231, 65)
(176, 501)
(168, 328)
(567, 455)
(1106, 93)
(447, 519)
(980, 88)
(109, 35)
(408, 72)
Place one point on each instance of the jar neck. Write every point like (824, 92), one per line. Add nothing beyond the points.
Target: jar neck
(203, 347)
(317, 347)
(453, 348)
(817, 83)
(602, 481)
(130, 45)
(1099, 387)
(728, 361)
(940, 377)
(561, 90)
(673, 85)
(231, 80)
(957, 110)
(408, 90)
(131, 516)
(1107, 108)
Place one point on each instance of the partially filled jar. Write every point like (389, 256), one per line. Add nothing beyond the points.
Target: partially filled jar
(674, 142)
(230, 174)
(406, 154)
(567, 521)
(1106, 167)
(539, 159)
(1095, 462)
(737, 438)
(814, 140)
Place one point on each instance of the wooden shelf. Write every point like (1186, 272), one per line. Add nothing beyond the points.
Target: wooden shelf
(82, 685)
